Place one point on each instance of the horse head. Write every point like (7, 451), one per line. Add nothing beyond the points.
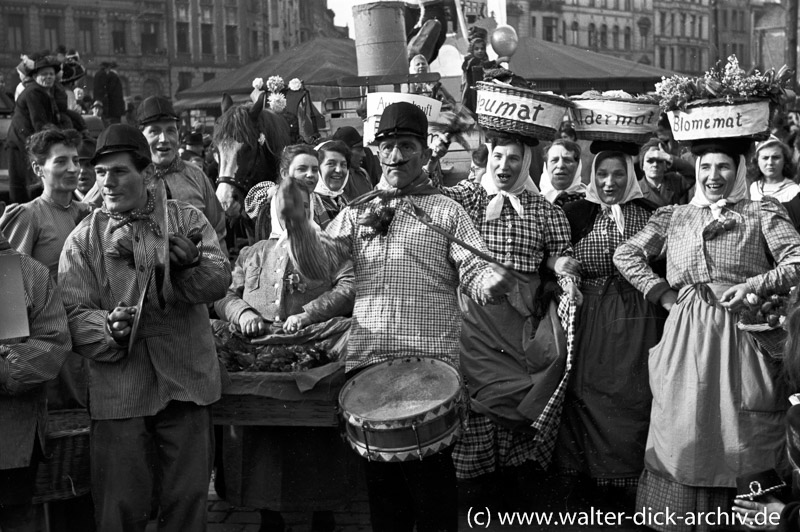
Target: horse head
(249, 139)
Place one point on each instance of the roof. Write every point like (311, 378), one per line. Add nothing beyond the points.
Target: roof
(553, 66)
(571, 70)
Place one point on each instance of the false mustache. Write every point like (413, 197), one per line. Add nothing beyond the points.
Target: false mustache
(396, 165)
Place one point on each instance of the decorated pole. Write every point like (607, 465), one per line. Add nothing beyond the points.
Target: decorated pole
(380, 37)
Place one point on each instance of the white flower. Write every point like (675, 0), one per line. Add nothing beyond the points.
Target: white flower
(258, 83)
(295, 84)
(275, 84)
(262, 139)
(752, 299)
(277, 102)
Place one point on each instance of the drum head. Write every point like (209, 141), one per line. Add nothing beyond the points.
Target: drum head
(400, 389)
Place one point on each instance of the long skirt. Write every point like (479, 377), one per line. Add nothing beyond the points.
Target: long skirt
(607, 410)
(718, 410)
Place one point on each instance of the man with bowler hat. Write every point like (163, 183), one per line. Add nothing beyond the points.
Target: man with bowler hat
(159, 123)
(406, 306)
(151, 390)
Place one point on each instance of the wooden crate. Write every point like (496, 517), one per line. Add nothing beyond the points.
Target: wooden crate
(278, 401)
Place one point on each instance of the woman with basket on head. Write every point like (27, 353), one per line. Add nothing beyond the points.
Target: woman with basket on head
(717, 405)
(607, 410)
(287, 468)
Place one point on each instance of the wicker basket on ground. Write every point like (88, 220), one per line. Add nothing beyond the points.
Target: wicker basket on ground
(65, 471)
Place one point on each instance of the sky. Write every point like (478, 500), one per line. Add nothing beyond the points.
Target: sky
(344, 13)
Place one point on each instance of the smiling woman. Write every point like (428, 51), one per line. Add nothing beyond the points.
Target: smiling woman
(40, 227)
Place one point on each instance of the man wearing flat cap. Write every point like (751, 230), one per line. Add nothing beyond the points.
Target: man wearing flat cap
(185, 182)
(152, 388)
(405, 306)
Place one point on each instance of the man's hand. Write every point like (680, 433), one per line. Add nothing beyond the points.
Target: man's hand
(252, 324)
(120, 321)
(296, 322)
(182, 252)
(499, 283)
(761, 515)
(291, 203)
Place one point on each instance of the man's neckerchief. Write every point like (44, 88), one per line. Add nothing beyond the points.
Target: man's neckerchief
(380, 215)
(136, 215)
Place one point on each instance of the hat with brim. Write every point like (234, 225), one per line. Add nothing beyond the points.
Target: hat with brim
(118, 138)
(403, 118)
(87, 149)
(154, 109)
(733, 146)
(349, 135)
(757, 485)
(44, 62)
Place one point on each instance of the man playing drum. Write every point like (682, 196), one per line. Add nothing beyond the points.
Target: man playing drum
(407, 277)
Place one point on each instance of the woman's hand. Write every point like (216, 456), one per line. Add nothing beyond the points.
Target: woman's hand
(760, 515)
(296, 322)
(499, 283)
(574, 294)
(733, 298)
(668, 299)
(566, 266)
(252, 324)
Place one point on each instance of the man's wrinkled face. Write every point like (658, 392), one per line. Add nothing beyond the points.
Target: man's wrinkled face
(163, 138)
(402, 158)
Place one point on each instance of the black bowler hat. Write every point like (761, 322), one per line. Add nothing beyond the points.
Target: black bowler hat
(118, 138)
(153, 109)
(403, 118)
(349, 135)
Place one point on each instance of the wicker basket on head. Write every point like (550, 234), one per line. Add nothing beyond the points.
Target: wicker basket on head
(615, 119)
(738, 117)
(520, 111)
(65, 472)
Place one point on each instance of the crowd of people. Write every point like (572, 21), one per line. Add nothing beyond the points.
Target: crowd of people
(594, 327)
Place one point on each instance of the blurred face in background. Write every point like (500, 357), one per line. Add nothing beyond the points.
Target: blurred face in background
(45, 77)
(771, 162)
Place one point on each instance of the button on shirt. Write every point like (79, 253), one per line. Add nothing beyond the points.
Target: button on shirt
(406, 282)
(174, 356)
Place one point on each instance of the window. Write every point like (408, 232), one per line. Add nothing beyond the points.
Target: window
(672, 24)
(16, 32)
(604, 36)
(86, 35)
(662, 56)
(232, 40)
(683, 24)
(182, 12)
(150, 37)
(118, 36)
(207, 39)
(563, 32)
(533, 27)
(692, 24)
(681, 58)
(182, 35)
(662, 26)
(253, 43)
(185, 80)
(615, 38)
(627, 38)
(208, 76)
(273, 12)
(627, 5)
(574, 28)
(742, 22)
(724, 23)
(592, 36)
(51, 32)
(550, 29)
(672, 57)
(276, 47)
(700, 27)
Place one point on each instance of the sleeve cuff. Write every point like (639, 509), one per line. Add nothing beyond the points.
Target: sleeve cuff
(654, 294)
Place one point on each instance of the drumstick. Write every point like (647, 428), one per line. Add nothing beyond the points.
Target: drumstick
(420, 214)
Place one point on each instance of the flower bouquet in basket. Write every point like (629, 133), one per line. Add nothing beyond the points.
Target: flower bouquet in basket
(763, 318)
(724, 102)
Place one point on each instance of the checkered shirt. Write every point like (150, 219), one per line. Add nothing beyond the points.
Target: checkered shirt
(736, 256)
(406, 281)
(544, 229)
(596, 249)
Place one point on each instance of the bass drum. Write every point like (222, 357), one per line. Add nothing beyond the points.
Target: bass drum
(403, 409)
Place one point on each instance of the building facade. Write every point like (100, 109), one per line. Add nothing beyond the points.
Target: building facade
(160, 46)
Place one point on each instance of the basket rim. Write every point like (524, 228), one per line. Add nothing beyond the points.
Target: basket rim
(77, 413)
(621, 100)
(546, 96)
(719, 102)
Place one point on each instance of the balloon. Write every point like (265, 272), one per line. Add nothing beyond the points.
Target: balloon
(504, 40)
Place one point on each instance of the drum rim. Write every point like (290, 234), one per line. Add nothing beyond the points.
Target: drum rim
(459, 392)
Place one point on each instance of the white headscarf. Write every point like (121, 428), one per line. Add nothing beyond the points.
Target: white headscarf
(322, 187)
(523, 182)
(737, 193)
(550, 193)
(632, 191)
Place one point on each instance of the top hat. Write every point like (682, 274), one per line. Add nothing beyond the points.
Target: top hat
(118, 138)
(155, 108)
(403, 118)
